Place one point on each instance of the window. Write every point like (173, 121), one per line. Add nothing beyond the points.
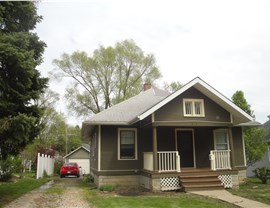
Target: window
(221, 139)
(193, 107)
(127, 144)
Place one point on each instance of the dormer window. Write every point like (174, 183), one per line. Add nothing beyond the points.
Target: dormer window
(193, 107)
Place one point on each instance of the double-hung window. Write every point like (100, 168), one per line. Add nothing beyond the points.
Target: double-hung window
(193, 107)
(221, 139)
(127, 144)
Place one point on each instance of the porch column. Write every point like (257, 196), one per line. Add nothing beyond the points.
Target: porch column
(155, 156)
(232, 148)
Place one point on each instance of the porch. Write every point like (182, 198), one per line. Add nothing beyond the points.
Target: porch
(170, 161)
(170, 175)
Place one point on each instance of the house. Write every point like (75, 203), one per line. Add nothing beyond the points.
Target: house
(81, 155)
(190, 139)
(265, 162)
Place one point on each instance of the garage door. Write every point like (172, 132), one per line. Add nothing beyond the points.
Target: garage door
(84, 163)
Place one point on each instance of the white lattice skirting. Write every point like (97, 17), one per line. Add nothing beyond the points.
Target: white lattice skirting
(226, 180)
(167, 184)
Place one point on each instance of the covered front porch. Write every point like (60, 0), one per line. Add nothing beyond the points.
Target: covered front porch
(206, 152)
(174, 148)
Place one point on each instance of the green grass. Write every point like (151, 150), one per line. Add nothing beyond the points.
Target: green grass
(254, 190)
(155, 200)
(9, 191)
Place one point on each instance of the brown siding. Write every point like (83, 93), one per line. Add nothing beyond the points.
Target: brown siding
(238, 146)
(94, 149)
(166, 138)
(109, 151)
(173, 111)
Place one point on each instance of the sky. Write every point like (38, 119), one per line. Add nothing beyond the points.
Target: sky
(226, 43)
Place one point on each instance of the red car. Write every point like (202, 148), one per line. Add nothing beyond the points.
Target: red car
(70, 169)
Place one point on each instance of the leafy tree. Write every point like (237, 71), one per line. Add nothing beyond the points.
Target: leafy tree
(20, 83)
(255, 137)
(173, 86)
(109, 76)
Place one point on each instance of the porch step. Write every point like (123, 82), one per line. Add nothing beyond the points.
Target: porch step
(200, 182)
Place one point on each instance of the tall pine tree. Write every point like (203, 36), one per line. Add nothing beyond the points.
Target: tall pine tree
(21, 83)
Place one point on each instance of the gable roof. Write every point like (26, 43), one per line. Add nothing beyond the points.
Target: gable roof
(84, 146)
(240, 116)
(144, 104)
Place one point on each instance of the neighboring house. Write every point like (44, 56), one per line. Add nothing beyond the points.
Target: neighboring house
(265, 162)
(190, 139)
(81, 155)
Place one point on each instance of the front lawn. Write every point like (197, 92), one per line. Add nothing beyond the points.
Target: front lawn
(9, 191)
(255, 190)
(101, 199)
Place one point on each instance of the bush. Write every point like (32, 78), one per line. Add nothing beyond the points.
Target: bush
(108, 188)
(262, 173)
(88, 178)
(10, 166)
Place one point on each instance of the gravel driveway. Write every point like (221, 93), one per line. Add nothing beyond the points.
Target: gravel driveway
(69, 194)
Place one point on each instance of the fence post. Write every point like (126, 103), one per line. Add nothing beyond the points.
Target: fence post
(38, 166)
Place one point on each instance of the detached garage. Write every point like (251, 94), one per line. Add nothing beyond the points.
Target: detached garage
(81, 155)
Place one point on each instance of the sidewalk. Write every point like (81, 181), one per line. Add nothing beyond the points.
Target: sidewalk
(228, 197)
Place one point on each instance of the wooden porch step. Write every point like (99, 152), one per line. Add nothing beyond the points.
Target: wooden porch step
(198, 176)
(200, 182)
(188, 188)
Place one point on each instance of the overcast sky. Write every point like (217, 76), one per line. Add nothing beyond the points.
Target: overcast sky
(226, 43)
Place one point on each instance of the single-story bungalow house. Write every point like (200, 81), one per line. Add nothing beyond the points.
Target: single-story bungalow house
(191, 139)
(81, 155)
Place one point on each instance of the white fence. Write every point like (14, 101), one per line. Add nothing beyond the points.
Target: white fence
(44, 163)
(220, 159)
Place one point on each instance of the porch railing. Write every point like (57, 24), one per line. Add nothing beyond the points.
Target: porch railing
(168, 161)
(220, 159)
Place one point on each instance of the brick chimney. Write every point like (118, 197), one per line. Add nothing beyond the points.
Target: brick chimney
(146, 86)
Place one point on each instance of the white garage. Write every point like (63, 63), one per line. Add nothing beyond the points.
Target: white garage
(81, 155)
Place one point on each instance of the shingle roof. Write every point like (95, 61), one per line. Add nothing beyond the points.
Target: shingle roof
(144, 104)
(127, 111)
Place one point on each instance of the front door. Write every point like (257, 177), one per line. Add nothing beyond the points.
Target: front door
(185, 147)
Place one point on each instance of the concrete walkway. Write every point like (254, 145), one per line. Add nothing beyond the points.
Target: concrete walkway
(233, 199)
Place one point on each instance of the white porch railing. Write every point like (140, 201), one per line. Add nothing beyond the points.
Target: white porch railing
(167, 161)
(220, 159)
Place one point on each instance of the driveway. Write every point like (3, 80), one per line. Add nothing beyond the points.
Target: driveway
(65, 192)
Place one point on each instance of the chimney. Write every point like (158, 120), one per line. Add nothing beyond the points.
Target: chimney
(146, 86)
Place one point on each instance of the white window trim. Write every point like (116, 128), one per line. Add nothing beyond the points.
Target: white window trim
(193, 107)
(119, 143)
(221, 130)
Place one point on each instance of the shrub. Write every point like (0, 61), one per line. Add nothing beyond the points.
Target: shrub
(108, 188)
(88, 178)
(9, 166)
(262, 173)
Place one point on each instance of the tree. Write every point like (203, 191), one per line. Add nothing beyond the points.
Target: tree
(173, 86)
(255, 137)
(20, 83)
(109, 76)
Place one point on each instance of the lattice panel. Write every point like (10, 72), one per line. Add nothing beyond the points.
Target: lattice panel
(226, 180)
(167, 184)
